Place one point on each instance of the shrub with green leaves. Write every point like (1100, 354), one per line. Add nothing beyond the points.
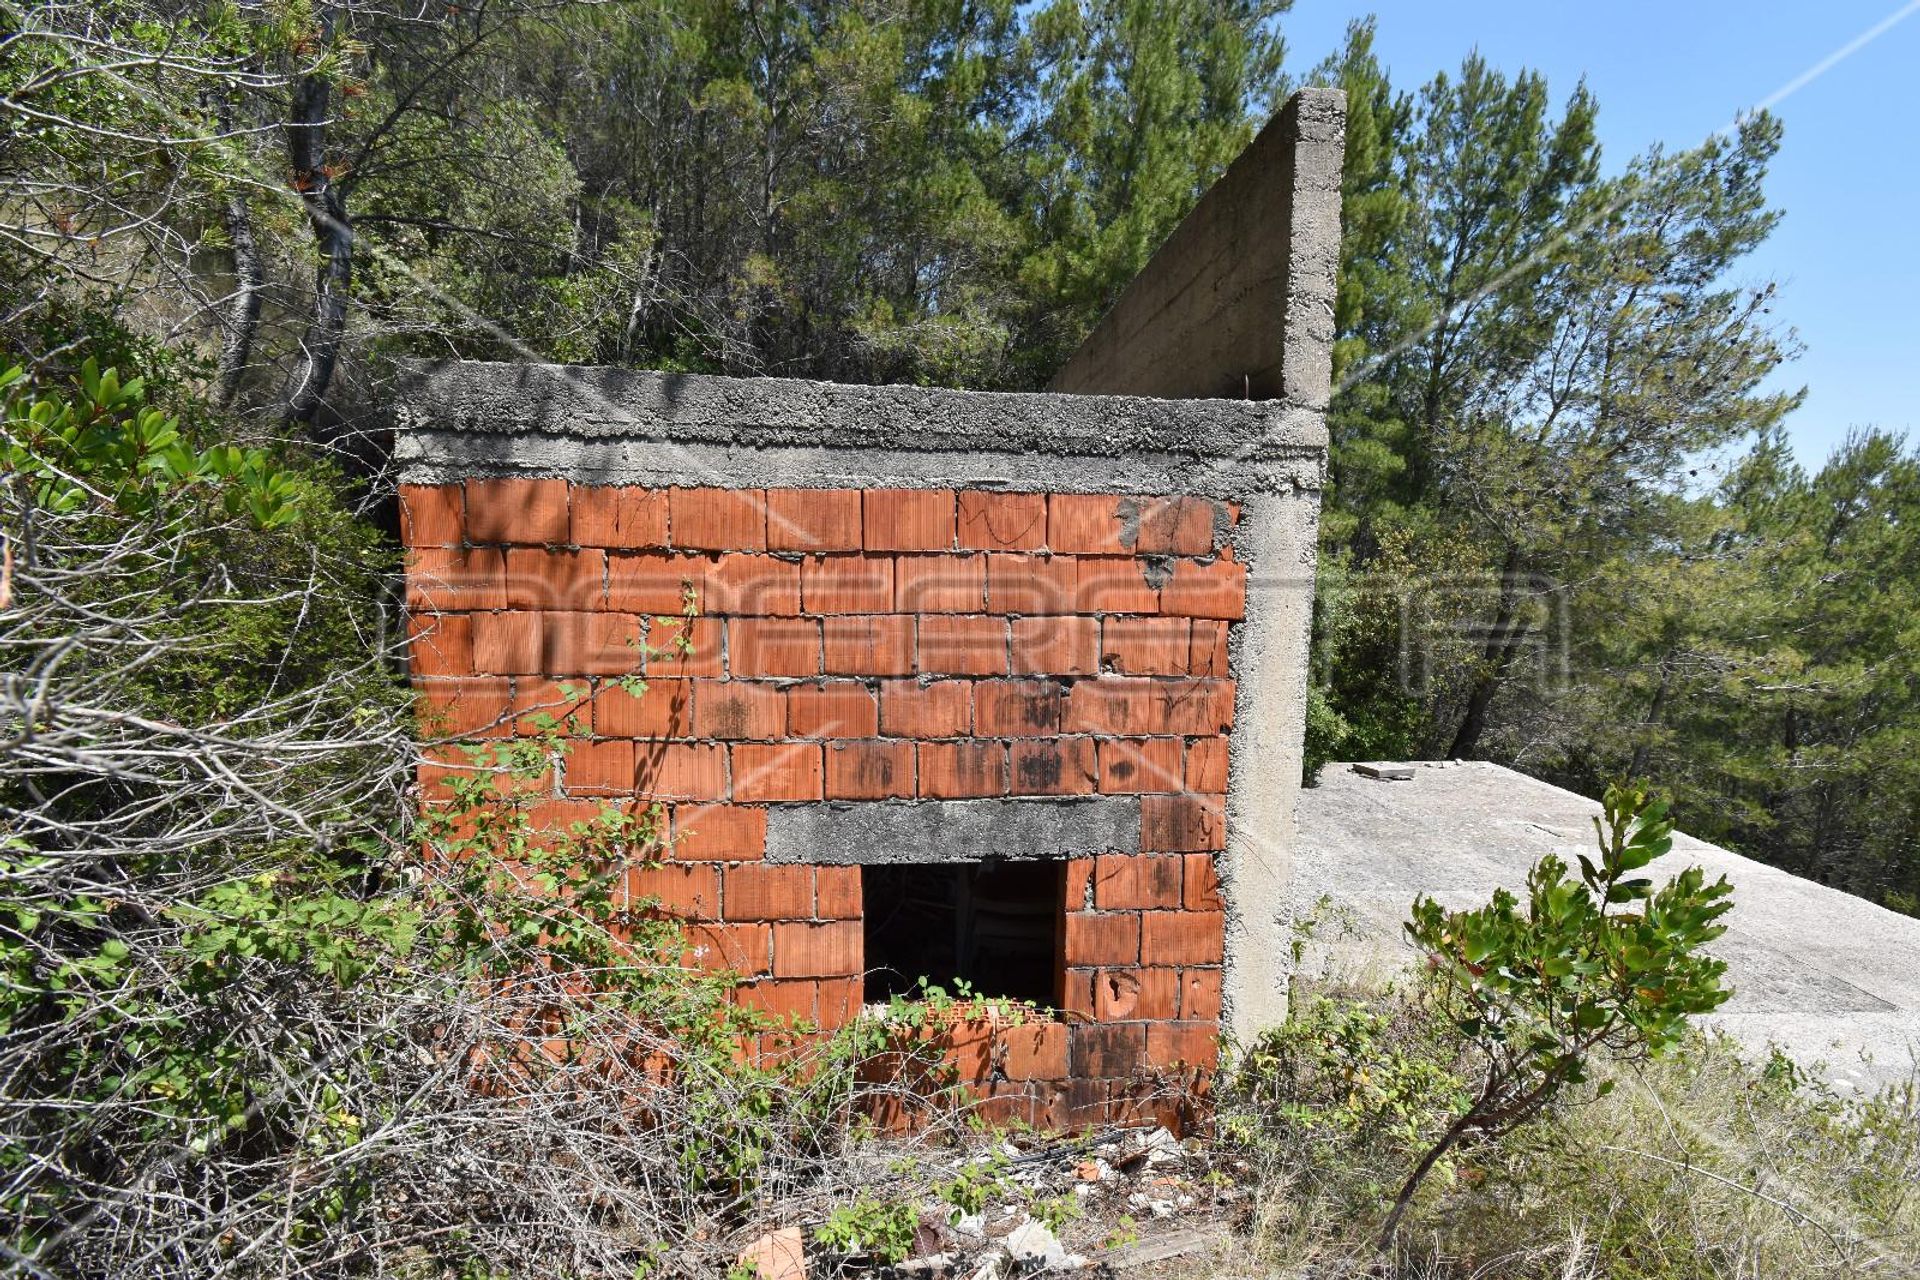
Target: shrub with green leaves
(1698, 1164)
(265, 1008)
(103, 445)
(882, 1230)
(1349, 1089)
(201, 761)
(1599, 961)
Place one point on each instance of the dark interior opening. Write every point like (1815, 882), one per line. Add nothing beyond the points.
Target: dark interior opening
(993, 925)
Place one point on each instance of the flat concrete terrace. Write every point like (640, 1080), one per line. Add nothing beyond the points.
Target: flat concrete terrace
(1828, 977)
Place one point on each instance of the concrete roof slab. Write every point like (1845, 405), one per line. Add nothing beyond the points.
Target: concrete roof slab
(597, 424)
(1828, 977)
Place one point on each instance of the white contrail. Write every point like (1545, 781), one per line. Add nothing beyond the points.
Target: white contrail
(1838, 56)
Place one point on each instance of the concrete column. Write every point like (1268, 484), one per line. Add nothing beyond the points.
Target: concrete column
(1238, 304)
(1277, 540)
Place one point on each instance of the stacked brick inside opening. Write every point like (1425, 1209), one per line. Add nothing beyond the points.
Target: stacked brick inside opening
(887, 648)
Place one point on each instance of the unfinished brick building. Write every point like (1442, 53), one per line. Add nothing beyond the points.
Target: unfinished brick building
(1003, 688)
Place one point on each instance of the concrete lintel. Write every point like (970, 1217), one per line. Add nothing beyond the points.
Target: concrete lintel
(878, 832)
(1239, 300)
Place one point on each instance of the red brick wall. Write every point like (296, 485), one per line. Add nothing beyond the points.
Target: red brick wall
(868, 645)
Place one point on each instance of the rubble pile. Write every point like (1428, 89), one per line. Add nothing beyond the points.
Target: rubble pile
(1099, 1205)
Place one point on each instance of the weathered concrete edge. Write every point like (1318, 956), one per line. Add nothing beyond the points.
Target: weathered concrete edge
(447, 457)
(1318, 126)
(928, 832)
(1277, 537)
(572, 405)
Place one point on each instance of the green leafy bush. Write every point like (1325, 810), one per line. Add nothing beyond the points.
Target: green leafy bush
(261, 1009)
(103, 444)
(879, 1229)
(1698, 1164)
(1604, 961)
(201, 757)
(1355, 1085)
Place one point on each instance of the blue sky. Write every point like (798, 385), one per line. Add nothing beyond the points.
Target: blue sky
(1847, 255)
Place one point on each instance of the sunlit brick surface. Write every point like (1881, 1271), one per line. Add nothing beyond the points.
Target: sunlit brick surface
(885, 646)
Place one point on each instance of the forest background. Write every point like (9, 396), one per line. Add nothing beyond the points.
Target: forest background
(1563, 528)
(247, 1028)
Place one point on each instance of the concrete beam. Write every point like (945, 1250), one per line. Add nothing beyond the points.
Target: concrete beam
(943, 831)
(1238, 303)
(597, 425)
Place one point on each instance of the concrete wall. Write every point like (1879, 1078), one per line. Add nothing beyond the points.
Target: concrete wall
(1238, 302)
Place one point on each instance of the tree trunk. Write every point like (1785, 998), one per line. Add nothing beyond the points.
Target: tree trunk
(249, 279)
(1638, 765)
(326, 206)
(1503, 644)
(243, 310)
(1419, 1175)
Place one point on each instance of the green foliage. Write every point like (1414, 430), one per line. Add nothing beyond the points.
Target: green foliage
(933, 1004)
(337, 935)
(295, 992)
(1540, 988)
(1372, 687)
(1350, 1089)
(1533, 356)
(237, 990)
(103, 443)
(1695, 1165)
(976, 1186)
(1056, 1213)
(1765, 667)
(1602, 961)
(1690, 1164)
(1016, 167)
(1341, 1070)
(227, 577)
(511, 897)
(119, 120)
(1541, 542)
(513, 894)
(1520, 560)
(669, 185)
(209, 875)
(879, 1229)
(179, 612)
(1138, 105)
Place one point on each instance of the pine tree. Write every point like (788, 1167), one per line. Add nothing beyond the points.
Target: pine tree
(1533, 356)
